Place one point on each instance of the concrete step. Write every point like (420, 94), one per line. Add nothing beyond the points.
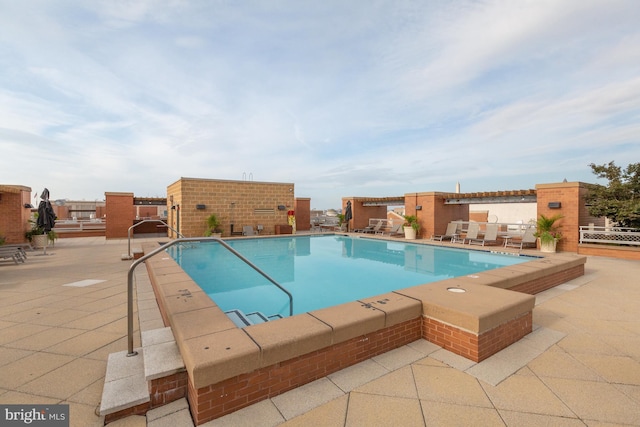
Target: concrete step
(125, 385)
(129, 379)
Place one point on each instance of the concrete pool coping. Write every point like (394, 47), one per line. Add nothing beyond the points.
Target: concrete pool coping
(214, 350)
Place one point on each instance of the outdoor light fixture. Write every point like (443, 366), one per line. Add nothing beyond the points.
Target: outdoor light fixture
(419, 207)
(554, 205)
(200, 206)
(281, 207)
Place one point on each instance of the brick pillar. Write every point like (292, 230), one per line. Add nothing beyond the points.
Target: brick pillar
(120, 214)
(570, 196)
(362, 214)
(303, 214)
(14, 217)
(434, 214)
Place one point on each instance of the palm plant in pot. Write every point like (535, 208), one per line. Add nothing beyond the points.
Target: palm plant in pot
(213, 226)
(411, 227)
(548, 232)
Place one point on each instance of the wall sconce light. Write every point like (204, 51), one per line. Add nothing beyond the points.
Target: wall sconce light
(554, 205)
(28, 206)
(200, 207)
(419, 207)
(282, 207)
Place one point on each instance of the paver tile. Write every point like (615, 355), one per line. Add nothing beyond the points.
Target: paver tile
(31, 367)
(370, 409)
(66, 380)
(452, 415)
(449, 385)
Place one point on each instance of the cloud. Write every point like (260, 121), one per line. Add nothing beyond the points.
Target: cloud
(337, 97)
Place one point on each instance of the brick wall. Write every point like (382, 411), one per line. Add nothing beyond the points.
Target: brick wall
(621, 252)
(241, 203)
(120, 213)
(219, 399)
(573, 209)
(14, 217)
(434, 215)
(362, 214)
(472, 346)
(303, 214)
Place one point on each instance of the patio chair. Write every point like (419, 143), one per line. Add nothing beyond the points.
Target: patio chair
(490, 236)
(449, 234)
(371, 228)
(377, 227)
(472, 232)
(247, 230)
(396, 229)
(14, 254)
(529, 240)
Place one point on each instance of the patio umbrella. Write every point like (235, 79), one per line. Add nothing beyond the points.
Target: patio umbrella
(46, 216)
(348, 214)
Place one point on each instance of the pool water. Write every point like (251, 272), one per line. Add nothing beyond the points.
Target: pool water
(322, 271)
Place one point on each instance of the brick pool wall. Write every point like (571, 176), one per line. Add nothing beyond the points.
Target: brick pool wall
(216, 400)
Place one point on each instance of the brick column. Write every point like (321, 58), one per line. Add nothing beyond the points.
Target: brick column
(303, 214)
(14, 217)
(434, 215)
(120, 214)
(570, 196)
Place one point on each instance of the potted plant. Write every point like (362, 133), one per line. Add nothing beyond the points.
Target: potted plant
(548, 232)
(213, 224)
(411, 227)
(36, 236)
(341, 223)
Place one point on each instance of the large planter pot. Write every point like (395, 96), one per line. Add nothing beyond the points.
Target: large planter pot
(39, 240)
(549, 246)
(409, 233)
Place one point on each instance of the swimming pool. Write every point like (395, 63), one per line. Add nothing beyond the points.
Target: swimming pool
(322, 271)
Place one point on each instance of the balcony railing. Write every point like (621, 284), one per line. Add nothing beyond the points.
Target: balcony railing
(610, 235)
(65, 226)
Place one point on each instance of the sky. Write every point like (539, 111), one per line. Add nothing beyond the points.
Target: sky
(341, 98)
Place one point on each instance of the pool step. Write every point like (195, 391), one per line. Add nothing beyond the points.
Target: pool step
(241, 320)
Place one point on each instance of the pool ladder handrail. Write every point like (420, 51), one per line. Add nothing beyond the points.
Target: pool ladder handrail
(145, 257)
(129, 255)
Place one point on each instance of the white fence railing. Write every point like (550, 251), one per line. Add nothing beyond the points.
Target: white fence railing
(65, 226)
(610, 235)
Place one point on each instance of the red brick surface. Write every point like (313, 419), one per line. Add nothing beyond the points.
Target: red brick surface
(243, 390)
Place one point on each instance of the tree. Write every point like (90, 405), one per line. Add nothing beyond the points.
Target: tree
(619, 200)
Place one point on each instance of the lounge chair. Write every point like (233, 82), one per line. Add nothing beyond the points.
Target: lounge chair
(449, 234)
(377, 227)
(472, 233)
(14, 254)
(528, 240)
(371, 228)
(396, 229)
(490, 236)
(247, 230)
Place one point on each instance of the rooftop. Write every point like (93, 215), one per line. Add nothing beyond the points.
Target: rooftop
(63, 313)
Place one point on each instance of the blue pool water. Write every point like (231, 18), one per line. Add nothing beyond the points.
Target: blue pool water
(322, 271)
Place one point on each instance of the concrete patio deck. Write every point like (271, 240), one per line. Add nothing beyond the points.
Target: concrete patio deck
(63, 313)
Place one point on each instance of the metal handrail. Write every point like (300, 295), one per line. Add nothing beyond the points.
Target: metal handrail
(167, 245)
(129, 255)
